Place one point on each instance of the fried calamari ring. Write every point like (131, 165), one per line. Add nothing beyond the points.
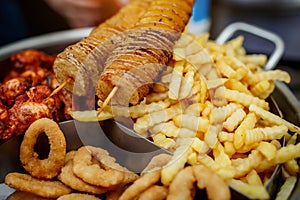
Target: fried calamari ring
(108, 162)
(43, 188)
(116, 193)
(140, 185)
(150, 176)
(208, 179)
(157, 162)
(78, 196)
(105, 173)
(155, 192)
(46, 168)
(68, 177)
(182, 186)
(69, 156)
(19, 195)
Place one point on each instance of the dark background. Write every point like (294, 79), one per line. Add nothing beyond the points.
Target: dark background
(24, 18)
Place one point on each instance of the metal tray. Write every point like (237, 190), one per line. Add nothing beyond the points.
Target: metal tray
(55, 42)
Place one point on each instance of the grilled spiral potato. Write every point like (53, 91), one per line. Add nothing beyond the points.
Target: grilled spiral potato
(144, 51)
(82, 63)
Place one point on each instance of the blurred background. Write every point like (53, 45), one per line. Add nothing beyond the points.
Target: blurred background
(22, 19)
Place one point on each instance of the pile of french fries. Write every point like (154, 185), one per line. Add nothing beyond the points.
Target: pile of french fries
(210, 107)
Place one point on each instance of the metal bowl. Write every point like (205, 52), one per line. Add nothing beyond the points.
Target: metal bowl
(54, 43)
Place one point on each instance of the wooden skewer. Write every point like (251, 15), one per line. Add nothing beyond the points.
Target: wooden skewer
(108, 98)
(60, 87)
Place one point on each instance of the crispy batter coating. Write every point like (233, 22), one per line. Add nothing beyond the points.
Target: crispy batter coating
(182, 186)
(51, 166)
(216, 188)
(26, 183)
(20, 195)
(105, 172)
(140, 185)
(155, 192)
(68, 177)
(78, 196)
(149, 177)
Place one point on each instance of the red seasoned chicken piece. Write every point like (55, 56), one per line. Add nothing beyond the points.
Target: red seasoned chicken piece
(29, 107)
(13, 88)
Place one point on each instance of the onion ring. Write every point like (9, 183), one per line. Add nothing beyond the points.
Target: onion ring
(43, 188)
(182, 186)
(46, 168)
(140, 185)
(155, 192)
(19, 195)
(206, 178)
(157, 162)
(108, 162)
(105, 173)
(149, 177)
(68, 177)
(116, 193)
(78, 196)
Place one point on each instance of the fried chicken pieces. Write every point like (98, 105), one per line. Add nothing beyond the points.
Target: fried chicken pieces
(24, 93)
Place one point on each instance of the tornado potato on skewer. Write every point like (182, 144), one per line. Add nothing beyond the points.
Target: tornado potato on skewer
(144, 51)
(80, 64)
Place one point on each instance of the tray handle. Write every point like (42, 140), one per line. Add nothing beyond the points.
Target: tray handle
(257, 31)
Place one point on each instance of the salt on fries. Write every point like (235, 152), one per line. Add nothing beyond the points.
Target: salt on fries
(217, 97)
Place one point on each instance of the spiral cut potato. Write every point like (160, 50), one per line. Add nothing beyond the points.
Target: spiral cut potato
(80, 64)
(144, 51)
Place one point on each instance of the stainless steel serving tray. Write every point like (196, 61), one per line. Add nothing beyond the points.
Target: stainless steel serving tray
(55, 42)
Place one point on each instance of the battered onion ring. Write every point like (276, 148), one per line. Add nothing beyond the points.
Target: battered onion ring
(106, 173)
(116, 193)
(208, 179)
(140, 185)
(108, 162)
(69, 156)
(68, 177)
(78, 196)
(43, 188)
(149, 176)
(182, 186)
(19, 195)
(155, 192)
(157, 162)
(46, 168)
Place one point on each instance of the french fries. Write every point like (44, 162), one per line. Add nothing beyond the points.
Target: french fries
(215, 113)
